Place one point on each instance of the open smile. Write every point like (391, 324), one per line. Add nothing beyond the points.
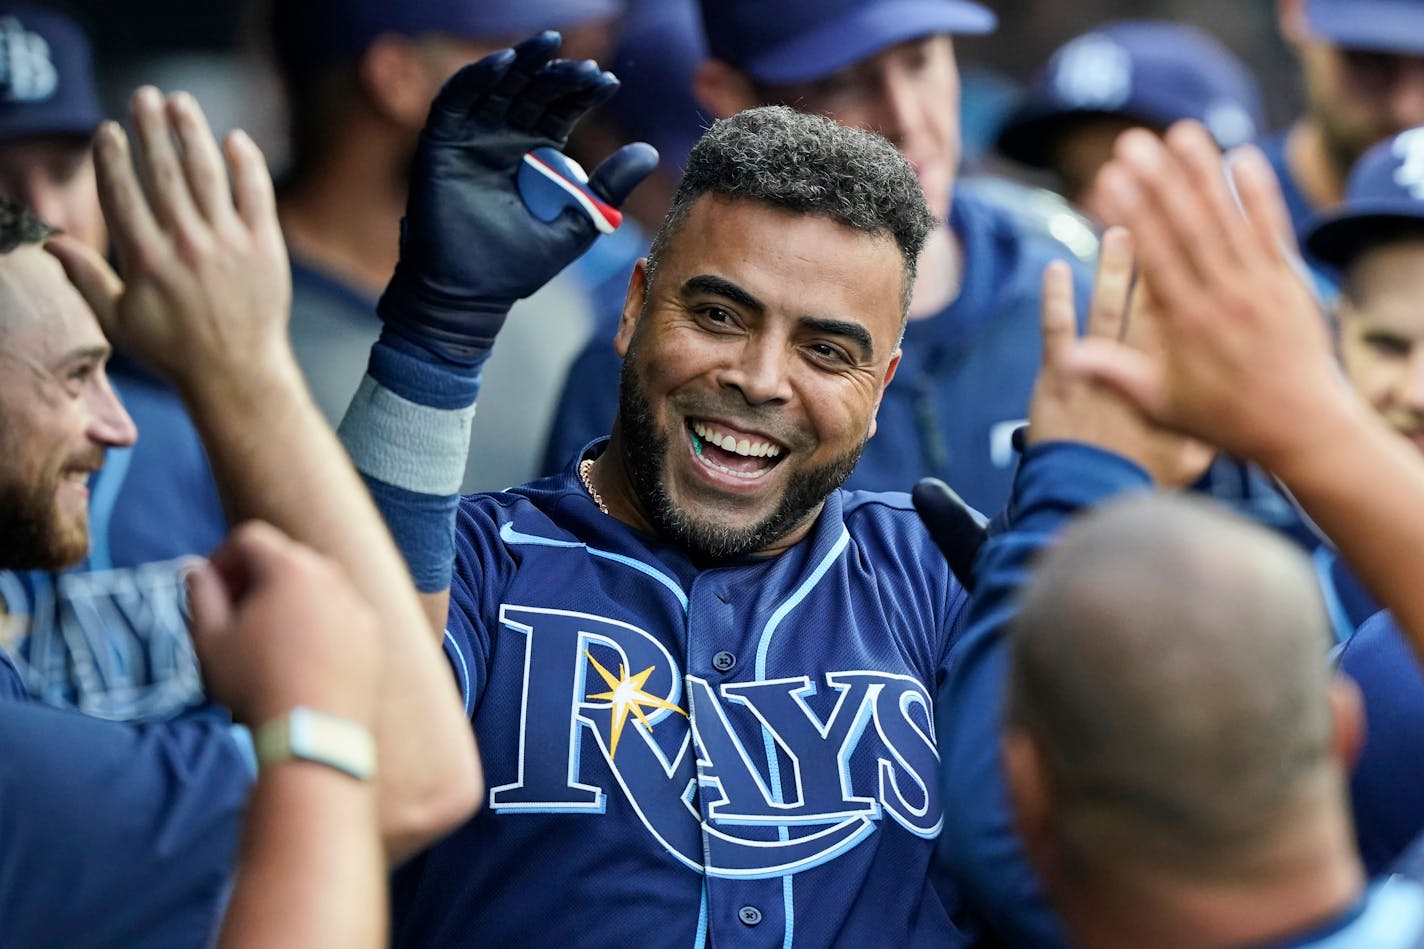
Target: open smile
(746, 456)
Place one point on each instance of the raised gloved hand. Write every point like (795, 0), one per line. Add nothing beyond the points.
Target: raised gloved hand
(954, 527)
(484, 226)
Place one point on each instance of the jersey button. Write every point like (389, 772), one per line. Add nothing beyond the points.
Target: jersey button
(724, 661)
(749, 915)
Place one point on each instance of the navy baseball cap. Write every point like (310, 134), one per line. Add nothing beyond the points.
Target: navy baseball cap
(46, 75)
(1149, 71)
(310, 33)
(1385, 187)
(1388, 26)
(789, 41)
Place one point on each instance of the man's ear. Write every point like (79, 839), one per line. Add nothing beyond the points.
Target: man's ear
(1031, 795)
(722, 89)
(396, 80)
(1347, 714)
(633, 303)
(889, 374)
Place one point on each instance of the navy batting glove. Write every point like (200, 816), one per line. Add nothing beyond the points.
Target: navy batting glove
(486, 226)
(954, 526)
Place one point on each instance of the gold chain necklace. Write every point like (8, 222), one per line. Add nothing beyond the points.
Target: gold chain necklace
(585, 467)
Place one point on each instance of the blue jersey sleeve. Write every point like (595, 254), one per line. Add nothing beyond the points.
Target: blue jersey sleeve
(114, 834)
(482, 566)
(978, 846)
(1387, 786)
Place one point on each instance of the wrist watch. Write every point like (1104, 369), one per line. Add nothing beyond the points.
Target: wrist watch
(306, 734)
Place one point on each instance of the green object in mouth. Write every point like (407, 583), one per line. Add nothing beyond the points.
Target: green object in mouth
(696, 444)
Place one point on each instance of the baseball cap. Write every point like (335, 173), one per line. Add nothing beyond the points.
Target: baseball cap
(1149, 71)
(46, 75)
(1386, 186)
(310, 33)
(798, 40)
(1393, 26)
(659, 48)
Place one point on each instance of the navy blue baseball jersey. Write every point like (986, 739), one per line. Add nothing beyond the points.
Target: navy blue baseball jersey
(114, 834)
(683, 756)
(1387, 786)
(979, 845)
(963, 382)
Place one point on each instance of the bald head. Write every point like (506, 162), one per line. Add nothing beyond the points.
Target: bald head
(1168, 670)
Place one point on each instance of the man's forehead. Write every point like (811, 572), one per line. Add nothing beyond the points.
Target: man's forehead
(39, 307)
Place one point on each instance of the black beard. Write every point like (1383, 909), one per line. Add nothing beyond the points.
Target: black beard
(644, 451)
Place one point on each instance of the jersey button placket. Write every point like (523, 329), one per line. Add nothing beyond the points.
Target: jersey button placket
(724, 661)
(749, 915)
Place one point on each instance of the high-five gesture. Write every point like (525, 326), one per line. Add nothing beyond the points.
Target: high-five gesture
(206, 289)
(1245, 361)
(470, 247)
(1244, 346)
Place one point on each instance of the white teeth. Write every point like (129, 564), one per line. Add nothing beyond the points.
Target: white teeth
(746, 447)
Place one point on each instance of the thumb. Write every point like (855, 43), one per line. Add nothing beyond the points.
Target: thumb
(210, 603)
(91, 275)
(1133, 375)
(956, 529)
(621, 172)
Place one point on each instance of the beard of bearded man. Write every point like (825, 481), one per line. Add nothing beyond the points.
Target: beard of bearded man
(644, 450)
(33, 536)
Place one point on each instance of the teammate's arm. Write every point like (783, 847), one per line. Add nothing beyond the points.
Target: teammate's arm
(1247, 362)
(278, 629)
(206, 304)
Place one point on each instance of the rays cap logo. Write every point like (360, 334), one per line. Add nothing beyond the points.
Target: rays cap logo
(1149, 72)
(46, 75)
(1093, 71)
(27, 73)
(1385, 189)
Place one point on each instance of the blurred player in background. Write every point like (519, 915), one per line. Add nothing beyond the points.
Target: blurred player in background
(1121, 75)
(1362, 71)
(1374, 240)
(108, 635)
(133, 827)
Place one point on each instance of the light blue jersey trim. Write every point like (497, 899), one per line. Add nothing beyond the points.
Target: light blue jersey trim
(462, 672)
(701, 941)
(242, 738)
(107, 485)
(509, 535)
(1322, 559)
(763, 647)
(1393, 917)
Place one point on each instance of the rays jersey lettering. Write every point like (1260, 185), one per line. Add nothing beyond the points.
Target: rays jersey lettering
(677, 743)
(665, 755)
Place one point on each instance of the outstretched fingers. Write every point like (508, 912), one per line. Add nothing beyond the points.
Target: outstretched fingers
(132, 225)
(1107, 312)
(160, 168)
(201, 160)
(252, 191)
(1267, 218)
(1059, 325)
